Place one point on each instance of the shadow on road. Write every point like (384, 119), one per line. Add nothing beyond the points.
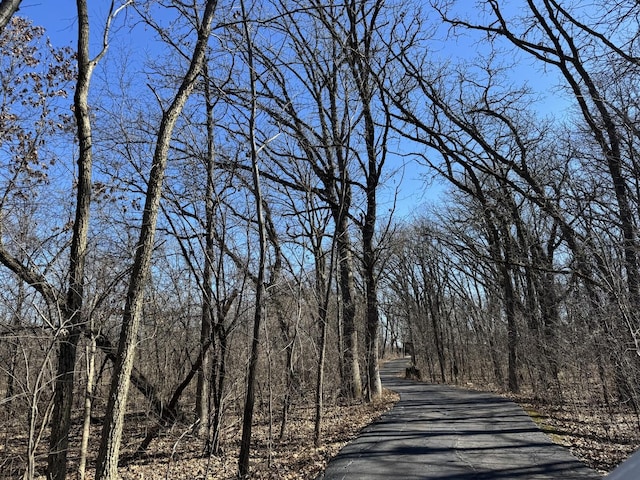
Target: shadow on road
(442, 432)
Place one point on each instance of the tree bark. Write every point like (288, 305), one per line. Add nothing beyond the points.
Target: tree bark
(107, 463)
(72, 312)
(325, 141)
(203, 389)
(361, 30)
(352, 381)
(7, 9)
(512, 329)
(88, 400)
(323, 293)
(259, 312)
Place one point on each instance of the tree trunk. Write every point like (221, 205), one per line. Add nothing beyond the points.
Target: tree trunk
(61, 418)
(219, 376)
(259, 313)
(203, 386)
(72, 314)
(203, 389)
(361, 29)
(323, 294)
(352, 382)
(289, 380)
(510, 312)
(88, 395)
(107, 463)
(7, 9)
(374, 386)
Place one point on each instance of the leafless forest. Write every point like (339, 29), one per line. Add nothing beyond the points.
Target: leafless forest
(216, 217)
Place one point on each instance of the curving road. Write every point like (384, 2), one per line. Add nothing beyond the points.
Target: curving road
(446, 433)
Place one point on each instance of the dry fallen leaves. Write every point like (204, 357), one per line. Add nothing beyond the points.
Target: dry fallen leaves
(601, 438)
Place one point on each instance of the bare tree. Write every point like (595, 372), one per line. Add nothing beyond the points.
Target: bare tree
(322, 139)
(71, 320)
(203, 404)
(369, 22)
(259, 312)
(323, 294)
(107, 464)
(342, 72)
(578, 46)
(73, 316)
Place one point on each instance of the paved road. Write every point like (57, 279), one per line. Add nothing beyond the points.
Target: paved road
(441, 432)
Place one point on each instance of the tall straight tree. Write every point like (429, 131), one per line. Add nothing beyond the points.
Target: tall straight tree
(259, 312)
(365, 21)
(61, 420)
(107, 463)
(339, 55)
(69, 305)
(311, 65)
(368, 32)
(203, 389)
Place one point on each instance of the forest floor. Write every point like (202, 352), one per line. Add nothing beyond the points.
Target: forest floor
(293, 457)
(178, 454)
(601, 439)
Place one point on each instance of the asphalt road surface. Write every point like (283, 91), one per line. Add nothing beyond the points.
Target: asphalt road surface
(446, 433)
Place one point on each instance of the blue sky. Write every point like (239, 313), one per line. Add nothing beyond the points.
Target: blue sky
(59, 19)
(57, 16)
